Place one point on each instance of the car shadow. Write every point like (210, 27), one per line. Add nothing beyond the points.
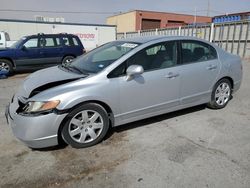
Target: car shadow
(152, 120)
(133, 125)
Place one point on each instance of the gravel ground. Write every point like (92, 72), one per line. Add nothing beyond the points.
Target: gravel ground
(196, 147)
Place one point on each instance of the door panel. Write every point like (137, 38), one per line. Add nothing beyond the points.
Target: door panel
(29, 56)
(148, 93)
(51, 50)
(197, 81)
(154, 91)
(199, 71)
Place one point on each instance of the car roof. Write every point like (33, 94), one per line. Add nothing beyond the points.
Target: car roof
(145, 39)
(42, 34)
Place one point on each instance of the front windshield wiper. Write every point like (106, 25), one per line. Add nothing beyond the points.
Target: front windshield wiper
(74, 69)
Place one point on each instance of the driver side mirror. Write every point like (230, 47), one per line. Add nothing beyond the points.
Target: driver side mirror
(134, 70)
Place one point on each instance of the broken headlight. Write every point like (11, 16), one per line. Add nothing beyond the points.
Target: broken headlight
(38, 107)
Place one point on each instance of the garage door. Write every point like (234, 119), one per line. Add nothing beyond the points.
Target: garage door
(150, 24)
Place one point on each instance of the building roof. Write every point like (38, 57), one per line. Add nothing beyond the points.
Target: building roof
(156, 12)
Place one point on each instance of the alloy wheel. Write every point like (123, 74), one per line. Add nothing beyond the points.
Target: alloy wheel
(222, 94)
(4, 67)
(86, 126)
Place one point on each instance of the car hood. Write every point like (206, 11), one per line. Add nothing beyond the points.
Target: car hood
(46, 79)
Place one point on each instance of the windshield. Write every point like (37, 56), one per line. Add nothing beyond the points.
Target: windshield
(17, 43)
(99, 58)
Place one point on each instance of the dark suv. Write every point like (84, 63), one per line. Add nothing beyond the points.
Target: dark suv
(40, 51)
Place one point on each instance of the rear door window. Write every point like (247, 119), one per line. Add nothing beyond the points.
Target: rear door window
(197, 51)
(49, 42)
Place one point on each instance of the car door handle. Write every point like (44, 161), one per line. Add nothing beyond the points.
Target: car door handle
(1, 43)
(211, 67)
(172, 75)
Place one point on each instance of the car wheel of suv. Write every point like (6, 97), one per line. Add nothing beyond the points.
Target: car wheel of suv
(221, 94)
(6, 66)
(67, 60)
(86, 126)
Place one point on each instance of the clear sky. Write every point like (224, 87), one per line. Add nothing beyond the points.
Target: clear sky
(96, 11)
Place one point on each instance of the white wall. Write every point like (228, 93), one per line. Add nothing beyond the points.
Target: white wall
(90, 35)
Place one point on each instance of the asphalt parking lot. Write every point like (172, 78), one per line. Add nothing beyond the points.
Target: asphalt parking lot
(196, 147)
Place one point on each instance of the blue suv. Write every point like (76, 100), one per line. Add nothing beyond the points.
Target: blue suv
(40, 51)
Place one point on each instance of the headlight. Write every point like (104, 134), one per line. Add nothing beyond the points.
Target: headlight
(35, 106)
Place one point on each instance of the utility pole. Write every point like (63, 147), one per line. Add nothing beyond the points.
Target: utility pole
(208, 8)
(195, 15)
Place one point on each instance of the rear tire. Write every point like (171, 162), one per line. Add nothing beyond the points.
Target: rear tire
(67, 60)
(6, 65)
(221, 94)
(85, 126)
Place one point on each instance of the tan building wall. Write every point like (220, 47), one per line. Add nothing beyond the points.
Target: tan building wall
(168, 19)
(140, 20)
(125, 22)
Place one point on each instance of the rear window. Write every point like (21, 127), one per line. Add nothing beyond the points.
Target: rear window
(75, 41)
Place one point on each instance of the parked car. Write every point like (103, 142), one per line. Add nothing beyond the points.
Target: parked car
(40, 51)
(5, 40)
(121, 82)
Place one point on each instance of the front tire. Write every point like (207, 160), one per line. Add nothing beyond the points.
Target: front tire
(221, 94)
(86, 126)
(6, 66)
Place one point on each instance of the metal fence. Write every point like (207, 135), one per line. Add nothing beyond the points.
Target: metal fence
(234, 37)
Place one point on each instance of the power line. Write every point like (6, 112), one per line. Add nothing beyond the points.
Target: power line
(56, 12)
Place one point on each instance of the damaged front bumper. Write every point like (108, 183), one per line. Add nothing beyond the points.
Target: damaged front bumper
(35, 131)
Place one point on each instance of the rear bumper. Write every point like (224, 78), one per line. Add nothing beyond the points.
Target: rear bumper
(37, 131)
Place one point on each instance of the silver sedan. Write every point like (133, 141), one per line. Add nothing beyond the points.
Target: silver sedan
(121, 82)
